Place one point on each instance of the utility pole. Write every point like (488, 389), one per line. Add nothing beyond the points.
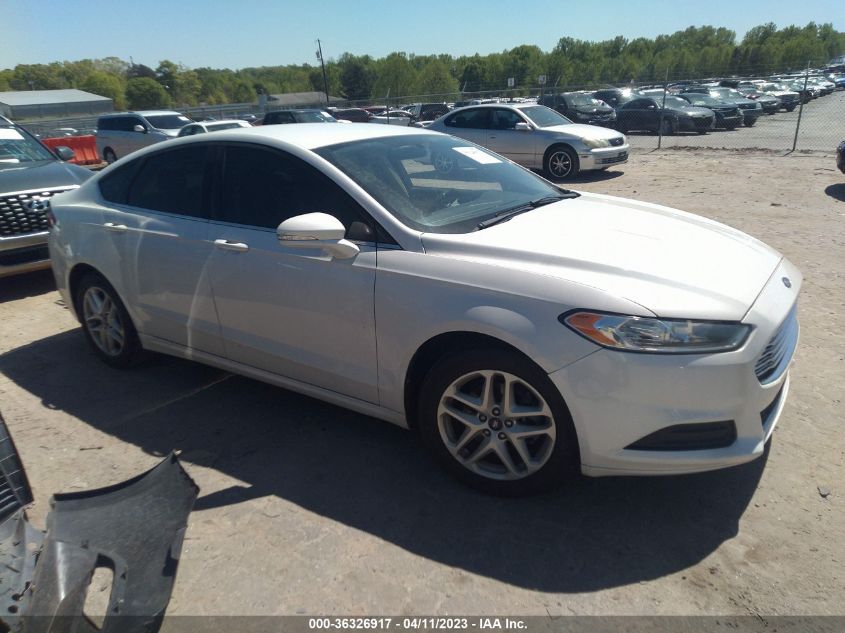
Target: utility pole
(323, 65)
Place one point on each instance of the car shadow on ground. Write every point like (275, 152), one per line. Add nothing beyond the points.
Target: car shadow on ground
(589, 535)
(26, 285)
(836, 191)
(589, 176)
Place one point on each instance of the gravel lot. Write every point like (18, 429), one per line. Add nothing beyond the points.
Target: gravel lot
(309, 509)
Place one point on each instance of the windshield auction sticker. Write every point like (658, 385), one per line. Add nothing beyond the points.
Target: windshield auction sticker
(10, 134)
(477, 155)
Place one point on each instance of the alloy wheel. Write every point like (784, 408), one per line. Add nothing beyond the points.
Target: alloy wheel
(496, 425)
(102, 320)
(560, 164)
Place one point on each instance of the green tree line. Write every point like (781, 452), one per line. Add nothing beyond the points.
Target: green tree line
(695, 52)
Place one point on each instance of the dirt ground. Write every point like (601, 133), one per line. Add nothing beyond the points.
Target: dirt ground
(309, 509)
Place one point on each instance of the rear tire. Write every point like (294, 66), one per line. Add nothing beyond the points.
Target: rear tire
(473, 437)
(109, 156)
(106, 323)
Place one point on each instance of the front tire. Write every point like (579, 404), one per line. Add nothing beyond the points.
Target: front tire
(749, 122)
(560, 163)
(495, 421)
(106, 323)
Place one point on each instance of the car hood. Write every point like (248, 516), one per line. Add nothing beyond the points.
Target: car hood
(594, 110)
(674, 264)
(579, 130)
(43, 175)
(693, 110)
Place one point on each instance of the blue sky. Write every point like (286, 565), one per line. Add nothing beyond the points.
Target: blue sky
(265, 33)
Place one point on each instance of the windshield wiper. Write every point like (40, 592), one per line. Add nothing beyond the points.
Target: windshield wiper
(506, 214)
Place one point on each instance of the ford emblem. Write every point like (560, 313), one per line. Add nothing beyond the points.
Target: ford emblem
(786, 282)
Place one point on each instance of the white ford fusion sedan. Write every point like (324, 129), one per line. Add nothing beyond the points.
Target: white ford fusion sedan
(525, 331)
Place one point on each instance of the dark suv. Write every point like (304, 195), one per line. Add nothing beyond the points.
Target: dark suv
(580, 107)
(30, 174)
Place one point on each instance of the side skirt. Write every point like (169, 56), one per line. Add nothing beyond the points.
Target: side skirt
(359, 406)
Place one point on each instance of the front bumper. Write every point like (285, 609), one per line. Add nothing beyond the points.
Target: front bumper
(604, 157)
(728, 120)
(618, 398)
(23, 253)
(696, 123)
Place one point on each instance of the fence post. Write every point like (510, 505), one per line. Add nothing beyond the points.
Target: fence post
(662, 112)
(801, 107)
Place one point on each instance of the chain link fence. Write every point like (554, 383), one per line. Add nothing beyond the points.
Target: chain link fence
(815, 124)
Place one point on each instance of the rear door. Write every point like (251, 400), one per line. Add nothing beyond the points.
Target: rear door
(158, 232)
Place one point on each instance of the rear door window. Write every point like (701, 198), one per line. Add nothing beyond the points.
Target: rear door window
(172, 182)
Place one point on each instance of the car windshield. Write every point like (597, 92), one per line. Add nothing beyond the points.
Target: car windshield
(167, 121)
(314, 116)
(728, 92)
(437, 183)
(222, 126)
(583, 100)
(18, 147)
(542, 116)
(673, 102)
(702, 100)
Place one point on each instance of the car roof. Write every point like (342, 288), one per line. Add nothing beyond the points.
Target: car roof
(141, 112)
(312, 136)
(216, 122)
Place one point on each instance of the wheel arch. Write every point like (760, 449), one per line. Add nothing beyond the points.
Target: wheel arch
(77, 273)
(438, 347)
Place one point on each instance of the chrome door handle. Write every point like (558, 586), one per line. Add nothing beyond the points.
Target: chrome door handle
(116, 228)
(492, 136)
(226, 245)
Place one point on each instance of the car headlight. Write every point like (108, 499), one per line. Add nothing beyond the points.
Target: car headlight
(595, 143)
(655, 335)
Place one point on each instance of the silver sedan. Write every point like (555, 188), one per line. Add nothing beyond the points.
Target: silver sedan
(537, 137)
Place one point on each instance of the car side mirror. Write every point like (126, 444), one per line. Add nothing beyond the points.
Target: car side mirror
(522, 126)
(317, 230)
(65, 153)
(139, 128)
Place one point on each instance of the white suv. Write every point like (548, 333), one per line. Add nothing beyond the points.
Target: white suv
(123, 133)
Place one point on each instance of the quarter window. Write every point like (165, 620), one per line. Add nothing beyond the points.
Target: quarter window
(172, 182)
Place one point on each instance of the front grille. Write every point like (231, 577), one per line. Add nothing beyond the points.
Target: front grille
(747, 106)
(702, 123)
(17, 219)
(775, 358)
(616, 142)
(616, 159)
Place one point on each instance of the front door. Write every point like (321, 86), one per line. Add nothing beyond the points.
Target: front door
(294, 312)
(502, 138)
